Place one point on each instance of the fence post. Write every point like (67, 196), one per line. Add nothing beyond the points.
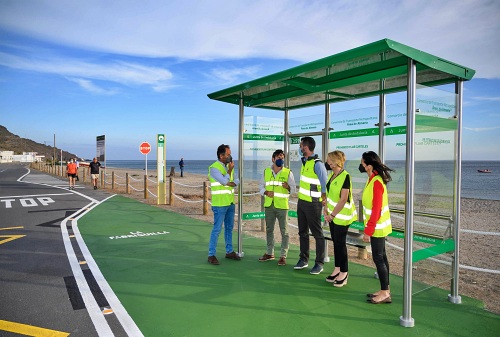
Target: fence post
(112, 180)
(102, 173)
(171, 192)
(205, 198)
(127, 184)
(145, 186)
(83, 175)
(362, 252)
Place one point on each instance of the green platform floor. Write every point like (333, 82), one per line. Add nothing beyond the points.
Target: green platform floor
(169, 289)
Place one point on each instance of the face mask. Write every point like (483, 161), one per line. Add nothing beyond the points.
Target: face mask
(300, 152)
(327, 167)
(229, 159)
(279, 162)
(362, 168)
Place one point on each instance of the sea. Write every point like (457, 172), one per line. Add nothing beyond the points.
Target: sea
(436, 175)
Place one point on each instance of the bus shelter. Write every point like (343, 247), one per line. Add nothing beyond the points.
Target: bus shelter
(409, 112)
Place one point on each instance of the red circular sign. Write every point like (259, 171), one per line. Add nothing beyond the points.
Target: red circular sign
(145, 148)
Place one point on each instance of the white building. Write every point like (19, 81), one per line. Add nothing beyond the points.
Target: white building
(26, 157)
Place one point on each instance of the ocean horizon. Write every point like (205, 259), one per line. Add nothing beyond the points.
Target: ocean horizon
(439, 174)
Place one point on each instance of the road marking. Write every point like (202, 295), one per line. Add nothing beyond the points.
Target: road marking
(5, 228)
(28, 202)
(29, 330)
(119, 310)
(34, 195)
(10, 238)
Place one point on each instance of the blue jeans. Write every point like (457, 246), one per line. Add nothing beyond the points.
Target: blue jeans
(222, 214)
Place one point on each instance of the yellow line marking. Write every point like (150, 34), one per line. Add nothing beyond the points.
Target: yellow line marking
(29, 330)
(18, 227)
(10, 238)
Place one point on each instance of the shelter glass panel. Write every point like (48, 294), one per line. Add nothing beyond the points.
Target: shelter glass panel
(435, 161)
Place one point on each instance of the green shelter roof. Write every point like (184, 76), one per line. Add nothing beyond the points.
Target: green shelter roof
(370, 70)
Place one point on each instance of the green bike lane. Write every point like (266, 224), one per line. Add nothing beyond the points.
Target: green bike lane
(155, 261)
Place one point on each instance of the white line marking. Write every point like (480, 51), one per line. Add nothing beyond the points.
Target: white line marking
(121, 313)
(33, 195)
(98, 319)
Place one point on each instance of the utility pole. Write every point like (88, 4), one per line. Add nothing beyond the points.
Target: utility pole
(54, 160)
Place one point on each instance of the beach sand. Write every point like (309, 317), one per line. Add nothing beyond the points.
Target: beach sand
(476, 250)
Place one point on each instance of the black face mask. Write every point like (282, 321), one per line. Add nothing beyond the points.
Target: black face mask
(361, 168)
(327, 167)
(229, 159)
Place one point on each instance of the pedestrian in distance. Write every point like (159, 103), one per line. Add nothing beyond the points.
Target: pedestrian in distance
(94, 172)
(312, 190)
(71, 170)
(377, 220)
(339, 212)
(276, 185)
(222, 184)
(181, 166)
(77, 168)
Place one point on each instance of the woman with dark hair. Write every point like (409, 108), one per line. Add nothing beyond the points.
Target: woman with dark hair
(377, 219)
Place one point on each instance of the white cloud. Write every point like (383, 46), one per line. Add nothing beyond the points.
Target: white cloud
(232, 76)
(482, 129)
(465, 33)
(92, 88)
(487, 98)
(125, 73)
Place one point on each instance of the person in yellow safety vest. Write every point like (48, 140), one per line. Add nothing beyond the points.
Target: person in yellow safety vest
(340, 211)
(222, 183)
(377, 219)
(312, 190)
(276, 185)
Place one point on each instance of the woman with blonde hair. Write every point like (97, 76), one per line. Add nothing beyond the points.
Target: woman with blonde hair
(340, 211)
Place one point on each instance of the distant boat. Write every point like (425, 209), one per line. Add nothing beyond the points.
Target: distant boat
(484, 171)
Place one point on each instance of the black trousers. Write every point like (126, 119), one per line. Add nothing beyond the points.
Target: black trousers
(339, 236)
(309, 218)
(380, 259)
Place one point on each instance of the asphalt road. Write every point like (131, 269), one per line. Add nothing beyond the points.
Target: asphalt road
(45, 285)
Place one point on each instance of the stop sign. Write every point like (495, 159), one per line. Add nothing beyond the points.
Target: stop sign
(145, 148)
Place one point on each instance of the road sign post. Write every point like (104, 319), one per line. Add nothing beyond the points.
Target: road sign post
(145, 148)
(161, 155)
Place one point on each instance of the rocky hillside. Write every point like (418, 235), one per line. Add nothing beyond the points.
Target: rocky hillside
(12, 142)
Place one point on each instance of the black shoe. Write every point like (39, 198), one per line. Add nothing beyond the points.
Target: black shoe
(340, 283)
(316, 269)
(301, 264)
(332, 278)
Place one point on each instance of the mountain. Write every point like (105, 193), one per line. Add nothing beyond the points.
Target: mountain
(12, 142)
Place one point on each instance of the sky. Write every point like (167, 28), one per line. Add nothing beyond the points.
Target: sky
(130, 70)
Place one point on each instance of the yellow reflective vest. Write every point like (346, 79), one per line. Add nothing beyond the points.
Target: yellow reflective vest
(275, 184)
(384, 226)
(221, 195)
(348, 214)
(310, 186)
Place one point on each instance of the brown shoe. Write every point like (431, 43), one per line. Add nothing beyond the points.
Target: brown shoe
(233, 256)
(213, 260)
(282, 261)
(266, 257)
